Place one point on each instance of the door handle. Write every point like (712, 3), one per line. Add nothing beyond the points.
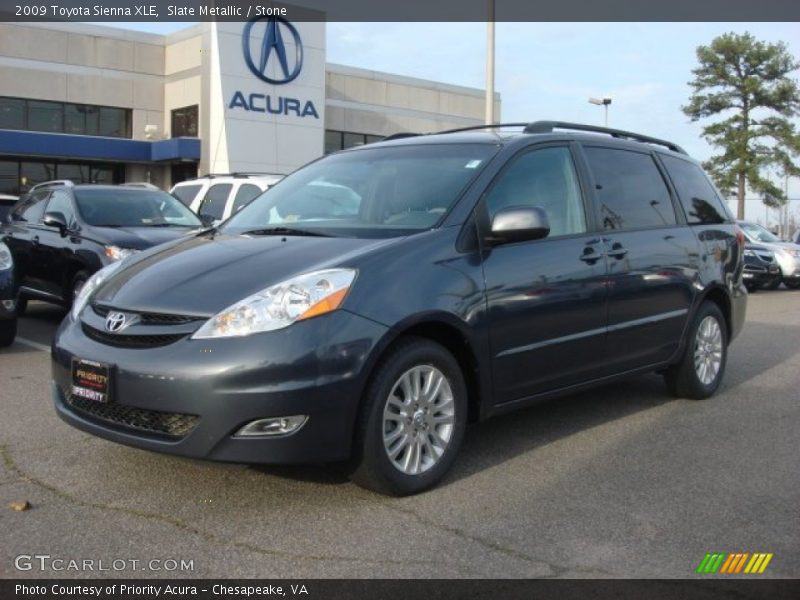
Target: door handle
(590, 256)
(35, 240)
(617, 251)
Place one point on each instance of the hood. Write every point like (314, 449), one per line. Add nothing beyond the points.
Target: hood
(207, 273)
(138, 238)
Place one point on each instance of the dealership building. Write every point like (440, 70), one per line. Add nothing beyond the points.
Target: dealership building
(101, 104)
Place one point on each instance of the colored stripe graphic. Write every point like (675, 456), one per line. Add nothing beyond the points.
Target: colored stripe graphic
(734, 562)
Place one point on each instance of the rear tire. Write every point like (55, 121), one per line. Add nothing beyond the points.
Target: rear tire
(413, 419)
(700, 370)
(8, 331)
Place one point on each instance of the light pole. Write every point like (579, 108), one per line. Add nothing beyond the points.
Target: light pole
(489, 116)
(605, 101)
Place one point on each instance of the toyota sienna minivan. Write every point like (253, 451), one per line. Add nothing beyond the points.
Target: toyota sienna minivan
(460, 276)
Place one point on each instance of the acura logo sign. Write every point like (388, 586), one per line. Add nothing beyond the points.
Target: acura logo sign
(272, 60)
(116, 321)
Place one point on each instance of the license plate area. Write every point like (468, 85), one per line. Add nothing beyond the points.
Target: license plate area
(91, 380)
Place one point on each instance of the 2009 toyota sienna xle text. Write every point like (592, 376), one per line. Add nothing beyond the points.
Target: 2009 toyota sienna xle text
(376, 301)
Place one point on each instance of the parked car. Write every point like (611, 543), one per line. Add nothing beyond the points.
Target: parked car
(479, 272)
(6, 202)
(219, 196)
(760, 268)
(786, 253)
(60, 234)
(8, 314)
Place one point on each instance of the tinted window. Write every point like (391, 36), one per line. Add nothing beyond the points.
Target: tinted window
(9, 177)
(12, 113)
(32, 173)
(697, 195)
(215, 199)
(186, 193)
(184, 121)
(121, 207)
(113, 122)
(545, 178)
(244, 195)
(60, 201)
(45, 116)
(629, 187)
(31, 208)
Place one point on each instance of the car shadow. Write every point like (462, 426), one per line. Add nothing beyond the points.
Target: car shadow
(502, 438)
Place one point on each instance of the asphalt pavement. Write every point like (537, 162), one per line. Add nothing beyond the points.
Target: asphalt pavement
(622, 481)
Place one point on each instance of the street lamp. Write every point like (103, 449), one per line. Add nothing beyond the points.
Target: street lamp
(605, 101)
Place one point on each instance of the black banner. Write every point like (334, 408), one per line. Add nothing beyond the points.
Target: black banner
(438, 589)
(399, 10)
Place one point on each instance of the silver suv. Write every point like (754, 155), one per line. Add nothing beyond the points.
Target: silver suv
(217, 197)
(786, 253)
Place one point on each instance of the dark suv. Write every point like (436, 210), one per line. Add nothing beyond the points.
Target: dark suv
(60, 233)
(475, 273)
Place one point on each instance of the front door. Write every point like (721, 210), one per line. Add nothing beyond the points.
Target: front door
(546, 298)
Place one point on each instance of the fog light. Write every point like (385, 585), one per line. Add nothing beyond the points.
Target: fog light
(273, 426)
(8, 304)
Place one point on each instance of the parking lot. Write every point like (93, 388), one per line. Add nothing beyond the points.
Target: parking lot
(623, 481)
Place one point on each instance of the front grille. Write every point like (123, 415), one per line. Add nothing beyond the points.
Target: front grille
(131, 341)
(152, 318)
(767, 258)
(173, 425)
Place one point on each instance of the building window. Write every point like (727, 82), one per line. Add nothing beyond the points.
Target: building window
(339, 140)
(17, 177)
(64, 117)
(184, 121)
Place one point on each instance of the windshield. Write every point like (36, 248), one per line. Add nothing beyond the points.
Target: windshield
(758, 233)
(121, 207)
(376, 192)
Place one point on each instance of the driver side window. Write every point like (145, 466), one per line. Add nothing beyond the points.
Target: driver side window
(546, 179)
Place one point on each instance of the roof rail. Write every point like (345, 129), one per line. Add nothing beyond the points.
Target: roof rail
(400, 136)
(54, 182)
(490, 126)
(549, 126)
(140, 184)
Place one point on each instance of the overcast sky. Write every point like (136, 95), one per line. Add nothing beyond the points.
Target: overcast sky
(549, 70)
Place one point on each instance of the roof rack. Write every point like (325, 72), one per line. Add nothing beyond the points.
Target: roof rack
(55, 182)
(490, 126)
(549, 126)
(400, 136)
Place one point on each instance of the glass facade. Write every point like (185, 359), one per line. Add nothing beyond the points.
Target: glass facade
(63, 117)
(17, 177)
(339, 140)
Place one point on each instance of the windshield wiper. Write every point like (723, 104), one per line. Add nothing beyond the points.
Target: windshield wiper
(285, 231)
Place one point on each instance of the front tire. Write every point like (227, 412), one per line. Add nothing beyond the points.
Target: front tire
(8, 331)
(77, 285)
(774, 284)
(699, 372)
(794, 284)
(412, 421)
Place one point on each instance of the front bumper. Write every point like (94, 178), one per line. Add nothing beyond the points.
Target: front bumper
(790, 266)
(314, 368)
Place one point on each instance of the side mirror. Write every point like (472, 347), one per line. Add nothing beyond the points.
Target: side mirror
(56, 219)
(207, 220)
(519, 224)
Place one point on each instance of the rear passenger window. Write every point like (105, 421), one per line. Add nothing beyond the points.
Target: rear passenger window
(629, 187)
(215, 200)
(698, 197)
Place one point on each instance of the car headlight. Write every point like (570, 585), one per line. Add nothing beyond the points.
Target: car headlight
(6, 261)
(94, 282)
(749, 253)
(791, 252)
(117, 253)
(280, 305)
